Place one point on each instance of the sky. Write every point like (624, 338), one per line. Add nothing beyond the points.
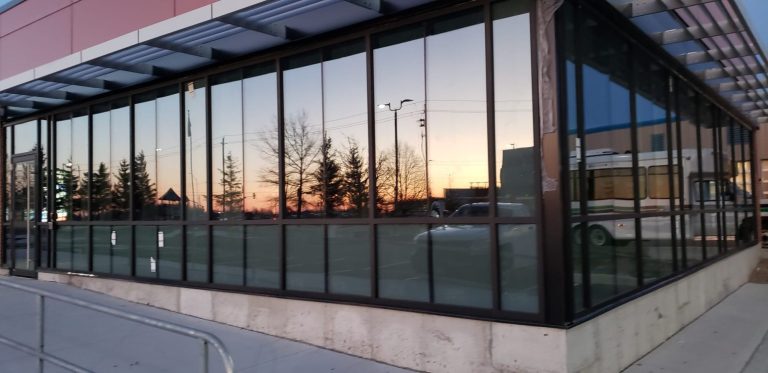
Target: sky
(756, 11)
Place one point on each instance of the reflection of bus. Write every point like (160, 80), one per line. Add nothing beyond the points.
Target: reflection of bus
(610, 190)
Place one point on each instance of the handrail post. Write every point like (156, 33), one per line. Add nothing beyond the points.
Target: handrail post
(40, 331)
(205, 356)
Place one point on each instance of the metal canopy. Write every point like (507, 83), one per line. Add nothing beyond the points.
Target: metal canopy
(246, 31)
(712, 39)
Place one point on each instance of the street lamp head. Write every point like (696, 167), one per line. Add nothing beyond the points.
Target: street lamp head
(404, 101)
(381, 106)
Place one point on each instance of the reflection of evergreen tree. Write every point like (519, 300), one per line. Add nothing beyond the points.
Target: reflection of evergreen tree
(121, 192)
(355, 179)
(66, 185)
(328, 180)
(144, 192)
(231, 198)
(101, 190)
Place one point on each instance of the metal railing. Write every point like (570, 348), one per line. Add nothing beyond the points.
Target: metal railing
(38, 351)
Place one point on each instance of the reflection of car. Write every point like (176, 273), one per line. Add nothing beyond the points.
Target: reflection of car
(457, 246)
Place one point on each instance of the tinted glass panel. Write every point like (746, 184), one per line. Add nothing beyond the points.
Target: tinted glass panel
(197, 253)
(403, 262)
(228, 263)
(146, 251)
(262, 256)
(519, 264)
(349, 259)
(305, 260)
(78, 168)
(612, 258)
(461, 264)
(169, 262)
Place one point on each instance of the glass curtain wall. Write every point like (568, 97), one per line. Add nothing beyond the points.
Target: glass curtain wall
(383, 169)
(654, 185)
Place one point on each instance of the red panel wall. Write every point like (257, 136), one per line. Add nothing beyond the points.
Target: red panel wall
(28, 12)
(36, 43)
(36, 32)
(96, 21)
(183, 6)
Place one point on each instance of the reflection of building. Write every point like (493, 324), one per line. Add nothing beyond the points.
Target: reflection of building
(634, 174)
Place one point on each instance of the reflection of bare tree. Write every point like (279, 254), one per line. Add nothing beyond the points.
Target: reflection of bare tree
(412, 185)
(301, 151)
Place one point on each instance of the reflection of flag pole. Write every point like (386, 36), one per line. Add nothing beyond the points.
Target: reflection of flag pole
(189, 151)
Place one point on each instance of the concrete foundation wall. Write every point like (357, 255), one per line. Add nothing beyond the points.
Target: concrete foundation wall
(434, 343)
(616, 339)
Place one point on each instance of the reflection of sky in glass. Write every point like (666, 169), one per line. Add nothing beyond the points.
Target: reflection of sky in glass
(302, 106)
(456, 110)
(25, 137)
(260, 122)
(227, 132)
(194, 105)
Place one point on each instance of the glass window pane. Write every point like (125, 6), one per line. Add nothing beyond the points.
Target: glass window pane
(80, 248)
(401, 173)
(121, 240)
(305, 260)
(66, 183)
(607, 120)
(342, 178)
(658, 255)
(227, 146)
(196, 145)
(262, 245)
(169, 253)
(456, 122)
(403, 264)
(120, 160)
(689, 155)
(260, 131)
(461, 264)
(516, 158)
(197, 253)
(612, 258)
(349, 260)
(79, 166)
(102, 249)
(112, 249)
(25, 137)
(652, 137)
(165, 192)
(228, 266)
(146, 251)
(303, 112)
(64, 248)
(519, 261)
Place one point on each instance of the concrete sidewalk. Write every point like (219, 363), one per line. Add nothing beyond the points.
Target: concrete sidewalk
(732, 337)
(104, 343)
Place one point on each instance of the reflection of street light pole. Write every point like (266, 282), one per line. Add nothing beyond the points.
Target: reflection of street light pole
(397, 151)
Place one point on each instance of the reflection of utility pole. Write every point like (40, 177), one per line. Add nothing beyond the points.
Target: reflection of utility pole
(191, 157)
(397, 150)
(223, 184)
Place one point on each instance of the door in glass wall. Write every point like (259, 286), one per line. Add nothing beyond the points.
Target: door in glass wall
(23, 212)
